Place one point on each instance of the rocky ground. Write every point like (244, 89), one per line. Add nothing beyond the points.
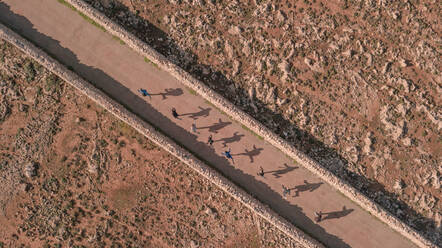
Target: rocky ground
(354, 84)
(72, 175)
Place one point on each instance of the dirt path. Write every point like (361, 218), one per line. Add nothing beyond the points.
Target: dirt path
(120, 72)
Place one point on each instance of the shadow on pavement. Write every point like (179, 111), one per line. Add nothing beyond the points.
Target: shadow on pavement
(252, 153)
(117, 91)
(169, 92)
(217, 126)
(306, 187)
(337, 214)
(286, 169)
(235, 138)
(204, 112)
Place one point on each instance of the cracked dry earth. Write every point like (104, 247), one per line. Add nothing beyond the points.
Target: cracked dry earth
(72, 175)
(354, 84)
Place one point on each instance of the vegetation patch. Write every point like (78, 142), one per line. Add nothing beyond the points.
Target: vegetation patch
(118, 39)
(85, 17)
(150, 62)
(191, 91)
(248, 129)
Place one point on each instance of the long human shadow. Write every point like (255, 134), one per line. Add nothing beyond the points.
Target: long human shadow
(302, 140)
(137, 105)
(286, 169)
(216, 126)
(251, 154)
(235, 138)
(337, 214)
(306, 187)
(204, 112)
(169, 92)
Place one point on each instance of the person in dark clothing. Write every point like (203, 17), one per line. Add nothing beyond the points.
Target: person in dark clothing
(174, 113)
(210, 140)
(285, 191)
(261, 172)
(318, 216)
(193, 128)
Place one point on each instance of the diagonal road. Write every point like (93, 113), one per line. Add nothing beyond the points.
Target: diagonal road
(120, 72)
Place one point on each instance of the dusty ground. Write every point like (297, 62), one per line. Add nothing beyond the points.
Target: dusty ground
(74, 176)
(354, 84)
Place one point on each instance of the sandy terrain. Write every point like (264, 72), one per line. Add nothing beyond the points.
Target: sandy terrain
(74, 176)
(354, 84)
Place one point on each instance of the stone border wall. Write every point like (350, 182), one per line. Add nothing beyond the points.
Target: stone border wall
(248, 121)
(161, 140)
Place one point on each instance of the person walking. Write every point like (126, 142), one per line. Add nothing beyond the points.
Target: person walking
(261, 172)
(228, 155)
(144, 93)
(318, 216)
(285, 191)
(174, 113)
(193, 128)
(210, 140)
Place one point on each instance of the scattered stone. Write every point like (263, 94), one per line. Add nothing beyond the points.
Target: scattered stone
(353, 153)
(271, 95)
(284, 67)
(79, 119)
(368, 146)
(193, 244)
(404, 63)
(25, 187)
(281, 101)
(235, 30)
(228, 49)
(386, 67)
(348, 53)
(4, 110)
(30, 169)
(92, 167)
(236, 67)
(23, 107)
(398, 185)
(281, 16)
(406, 141)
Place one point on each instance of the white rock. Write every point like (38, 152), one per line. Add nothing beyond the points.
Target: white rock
(281, 16)
(406, 141)
(236, 67)
(386, 67)
(30, 170)
(235, 30)
(368, 146)
(398, 185)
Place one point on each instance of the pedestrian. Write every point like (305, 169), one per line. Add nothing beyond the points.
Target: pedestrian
(210, 140)
(318, 216)
(285, 191)
(174, 113)
(144, 93)
(193, 128)
(228, 155)
(261, 172)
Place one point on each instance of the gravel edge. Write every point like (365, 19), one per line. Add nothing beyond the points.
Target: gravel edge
(161, 140)
(248, 121)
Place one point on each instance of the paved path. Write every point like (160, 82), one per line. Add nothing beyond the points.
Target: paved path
(120, 72)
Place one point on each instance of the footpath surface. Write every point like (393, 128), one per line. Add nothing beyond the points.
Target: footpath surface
(120, 72)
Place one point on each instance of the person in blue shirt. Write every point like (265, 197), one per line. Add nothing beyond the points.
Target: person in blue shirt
(228, 155)
(144, 93)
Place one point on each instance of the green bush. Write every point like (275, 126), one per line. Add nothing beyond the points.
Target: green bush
(30, 71)
(52, 83)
